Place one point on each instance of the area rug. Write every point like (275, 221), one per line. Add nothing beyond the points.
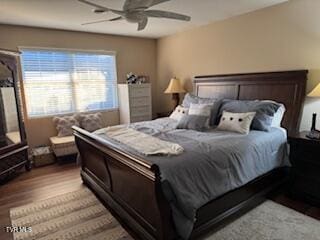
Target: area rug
(73, 216)
(79, 215)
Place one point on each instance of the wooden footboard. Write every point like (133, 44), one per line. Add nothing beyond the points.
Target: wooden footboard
(127, 185)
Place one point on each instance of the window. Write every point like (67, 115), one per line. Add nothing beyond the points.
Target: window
(60, 82)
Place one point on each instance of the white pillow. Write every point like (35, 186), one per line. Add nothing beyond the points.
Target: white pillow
(179, 112)
(278, 116)
(236, 122)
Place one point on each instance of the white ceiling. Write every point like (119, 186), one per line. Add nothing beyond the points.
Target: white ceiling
(69, 14)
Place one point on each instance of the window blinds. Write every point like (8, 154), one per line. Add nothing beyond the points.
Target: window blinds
(60, 82)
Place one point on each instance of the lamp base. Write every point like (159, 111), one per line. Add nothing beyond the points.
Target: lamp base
(314, 119)
(176, 99)
(314, 133)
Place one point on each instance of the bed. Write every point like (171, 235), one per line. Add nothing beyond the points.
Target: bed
(131, 185)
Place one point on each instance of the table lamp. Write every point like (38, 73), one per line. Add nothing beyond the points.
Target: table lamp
(314, 133)
(175, 88)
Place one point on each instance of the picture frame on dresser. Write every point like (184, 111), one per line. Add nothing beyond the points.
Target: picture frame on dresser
(13, 142)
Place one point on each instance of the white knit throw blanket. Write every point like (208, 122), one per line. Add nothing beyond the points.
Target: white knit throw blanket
(141, 142)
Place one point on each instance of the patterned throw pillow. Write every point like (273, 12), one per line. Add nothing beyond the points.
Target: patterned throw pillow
(236, 122)
(194, 122)
(64, 125)
(178, 113)
(192, 99)
(201, 110)
(91, 122)
(189, 98)
(197, 118)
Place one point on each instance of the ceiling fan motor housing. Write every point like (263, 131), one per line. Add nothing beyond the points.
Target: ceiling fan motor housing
(135, 16)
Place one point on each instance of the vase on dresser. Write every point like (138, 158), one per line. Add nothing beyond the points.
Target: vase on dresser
(135, 102)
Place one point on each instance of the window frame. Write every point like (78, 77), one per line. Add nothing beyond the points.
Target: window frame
(75, 50)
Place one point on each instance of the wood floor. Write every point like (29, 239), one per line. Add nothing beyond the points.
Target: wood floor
(53, 180)
(38, 184)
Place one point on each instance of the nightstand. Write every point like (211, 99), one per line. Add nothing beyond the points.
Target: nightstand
(305, 171)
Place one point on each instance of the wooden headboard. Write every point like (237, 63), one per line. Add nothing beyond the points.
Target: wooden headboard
(285, 87)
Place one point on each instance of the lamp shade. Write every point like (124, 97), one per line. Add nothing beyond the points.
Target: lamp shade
(315, 92)
(174, 86)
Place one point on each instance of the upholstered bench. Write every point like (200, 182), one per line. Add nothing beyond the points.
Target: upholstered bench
(63, 146)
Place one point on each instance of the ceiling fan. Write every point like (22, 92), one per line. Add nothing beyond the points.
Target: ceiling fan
(136, 11)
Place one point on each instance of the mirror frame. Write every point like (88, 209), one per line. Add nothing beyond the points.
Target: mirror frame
(10, 61)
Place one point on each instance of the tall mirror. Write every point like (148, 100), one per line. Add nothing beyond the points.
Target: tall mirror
(13, 142)
(9, 123)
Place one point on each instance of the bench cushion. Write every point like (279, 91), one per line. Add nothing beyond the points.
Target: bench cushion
(63, 146)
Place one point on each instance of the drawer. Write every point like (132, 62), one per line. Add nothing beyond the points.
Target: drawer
(307, 168)
(140, 111)
(305, 185)
(141, 118)
(301, 156)
(139, 92)
(140, 101)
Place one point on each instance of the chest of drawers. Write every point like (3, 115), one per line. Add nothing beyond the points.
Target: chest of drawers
(134, 102)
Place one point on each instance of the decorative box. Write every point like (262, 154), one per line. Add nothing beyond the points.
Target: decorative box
(42, 156)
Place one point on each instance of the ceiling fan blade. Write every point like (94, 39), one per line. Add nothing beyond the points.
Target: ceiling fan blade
(100, 21)
(115, 19)
(165, 14)
(105, 20)
(141, 4)
(142, 24)
(94, 5)
(122, 13)
(156, 2)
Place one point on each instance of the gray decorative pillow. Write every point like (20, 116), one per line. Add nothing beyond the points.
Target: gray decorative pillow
(194, 122)
(264, 111)
(188, 99)
(192, 99)
(91, 122)
(64, 125)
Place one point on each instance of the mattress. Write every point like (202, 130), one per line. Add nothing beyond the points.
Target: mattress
(212, 164)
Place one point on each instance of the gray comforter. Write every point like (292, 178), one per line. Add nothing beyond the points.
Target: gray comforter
(213, 163)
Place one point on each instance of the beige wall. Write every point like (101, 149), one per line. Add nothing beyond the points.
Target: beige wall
(136, 55)
(283, 37)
